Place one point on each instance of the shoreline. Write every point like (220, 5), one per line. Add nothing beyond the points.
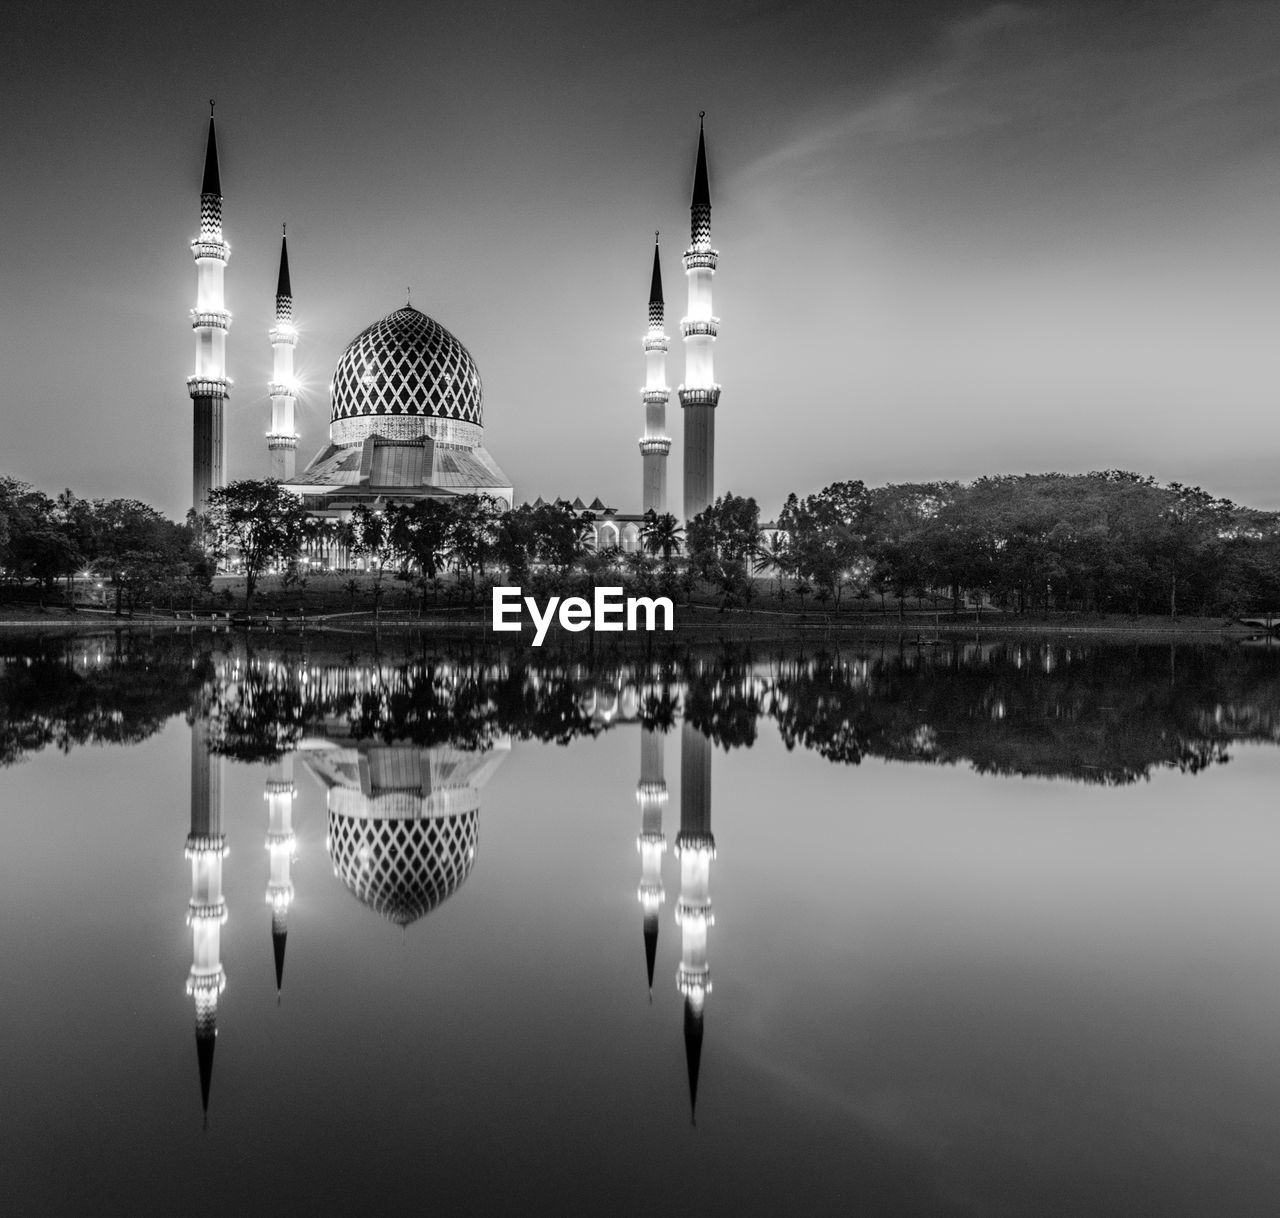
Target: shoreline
(917, 629)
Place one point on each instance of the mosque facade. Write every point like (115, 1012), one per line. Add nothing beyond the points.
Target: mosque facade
(406, 399)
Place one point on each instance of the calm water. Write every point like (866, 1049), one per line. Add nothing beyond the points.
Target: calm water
(311, 927)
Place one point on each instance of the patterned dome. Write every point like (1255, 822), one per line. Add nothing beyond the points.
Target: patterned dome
(406, 367)
(403, 867)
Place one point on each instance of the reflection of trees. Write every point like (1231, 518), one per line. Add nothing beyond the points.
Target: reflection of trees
(1094, 713)
(65, 692)
(1097, 714)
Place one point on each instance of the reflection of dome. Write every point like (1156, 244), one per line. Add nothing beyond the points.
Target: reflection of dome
(406, 367)
(403, 868)
(403, 820)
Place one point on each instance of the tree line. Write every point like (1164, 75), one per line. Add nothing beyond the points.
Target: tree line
(1103, 542)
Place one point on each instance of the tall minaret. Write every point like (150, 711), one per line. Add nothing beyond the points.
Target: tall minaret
(206, 848)
(651, 795)
(699, 394)
(695, 848)
(656, 444)
(282, 439)
(281, 851)
(209, 386)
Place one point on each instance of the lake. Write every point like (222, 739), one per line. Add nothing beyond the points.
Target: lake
(330, 924)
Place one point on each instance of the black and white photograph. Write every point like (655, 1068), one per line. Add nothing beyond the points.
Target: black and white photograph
(619, 607)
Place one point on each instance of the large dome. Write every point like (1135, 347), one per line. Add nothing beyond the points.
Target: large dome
(403, 377)
(403, 867)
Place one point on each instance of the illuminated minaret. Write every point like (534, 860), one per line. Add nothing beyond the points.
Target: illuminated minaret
(282, 439)
(699, 395)
(206, 848)
(695, 848)
(655, 444)
(209, 385)
(651, 795)
(281, 851)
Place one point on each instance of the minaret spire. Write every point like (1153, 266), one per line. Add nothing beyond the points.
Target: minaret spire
(699, 395)
(282, 439)
(655, 444)
(209, 386)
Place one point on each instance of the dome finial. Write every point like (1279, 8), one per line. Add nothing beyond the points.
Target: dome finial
(284, 228)
(211, 107)
(408, 297)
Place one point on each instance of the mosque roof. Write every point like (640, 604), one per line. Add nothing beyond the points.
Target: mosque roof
(404, 466)
(408, 365)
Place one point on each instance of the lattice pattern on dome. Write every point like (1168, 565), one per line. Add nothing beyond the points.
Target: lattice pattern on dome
(407, 364)
(403, 868)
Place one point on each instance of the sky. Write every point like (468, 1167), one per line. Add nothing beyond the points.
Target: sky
(956, 238)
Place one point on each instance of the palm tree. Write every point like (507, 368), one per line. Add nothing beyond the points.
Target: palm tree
(661, 534)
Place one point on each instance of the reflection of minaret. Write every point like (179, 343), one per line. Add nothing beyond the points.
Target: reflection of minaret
(695, 848)
(651, 795)
(206, 847)
(280, 847)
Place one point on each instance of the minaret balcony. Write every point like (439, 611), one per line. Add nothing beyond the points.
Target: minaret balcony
(205, 845)
(283, 335)
(281, 441)
(212, 319)
(209, 386)
(700, 397)
(653, 792)
(651, 896)
(280, 389)
(703, 325)
(694, 914)
(655, 397)
(652, 840)
(279, 896)
(657, 342)
(208, 985)
(209, 911)
(696, 259)
(692, 981)
(206, 247)
(696, 843)
(655, 446)
(280, 786)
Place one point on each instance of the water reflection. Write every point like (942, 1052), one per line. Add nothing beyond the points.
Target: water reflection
(403, 743)
(1087, 712)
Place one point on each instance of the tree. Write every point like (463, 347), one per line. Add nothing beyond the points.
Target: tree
(661, 534)
(420, 534)
(258, 520)
(722, 541)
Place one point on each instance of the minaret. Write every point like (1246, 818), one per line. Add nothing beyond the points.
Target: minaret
(209, 385)
(695, 848)
(281, 851)
(655, 444)
(282, 439)
(699, 394)
(206, 848)
(651, 795)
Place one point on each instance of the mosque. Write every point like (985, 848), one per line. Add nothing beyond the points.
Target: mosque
(406, 398)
